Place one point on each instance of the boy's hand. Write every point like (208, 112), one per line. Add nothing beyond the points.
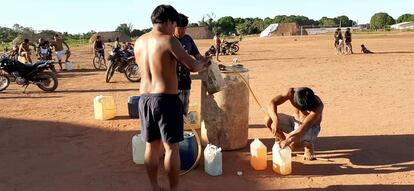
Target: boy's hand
(290, 141)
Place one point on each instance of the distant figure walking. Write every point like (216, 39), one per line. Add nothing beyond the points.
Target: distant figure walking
(348, 40)
(338, 41)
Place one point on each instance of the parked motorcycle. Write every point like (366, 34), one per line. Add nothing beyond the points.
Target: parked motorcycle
(227, 48)
(11, 70)
(122, 61)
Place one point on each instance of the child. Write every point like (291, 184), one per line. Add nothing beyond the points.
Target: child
(365, 50)
(300, 129)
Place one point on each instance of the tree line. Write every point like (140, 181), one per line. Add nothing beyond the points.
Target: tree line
(226, 25)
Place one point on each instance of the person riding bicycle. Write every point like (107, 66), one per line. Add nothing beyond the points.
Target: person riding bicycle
(99, 47)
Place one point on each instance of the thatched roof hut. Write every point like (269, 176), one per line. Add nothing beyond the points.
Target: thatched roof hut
(32, 37)
(110, 36)
(288, 29)
(199, 33)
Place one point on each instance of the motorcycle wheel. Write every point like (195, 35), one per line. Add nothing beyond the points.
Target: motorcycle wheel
(110, 71)
(236, 48)
(46, 81)
(4, 82)
(132, 72)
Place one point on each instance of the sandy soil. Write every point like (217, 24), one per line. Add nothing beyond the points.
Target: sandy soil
(50, 141)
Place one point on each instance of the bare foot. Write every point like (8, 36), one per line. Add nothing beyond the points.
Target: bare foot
(309, 148)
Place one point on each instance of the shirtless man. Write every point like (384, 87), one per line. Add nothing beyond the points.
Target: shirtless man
(301, 129)
(24, 50)
(160, 108)
(57, 43)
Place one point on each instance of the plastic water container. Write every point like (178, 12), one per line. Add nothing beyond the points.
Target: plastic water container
(188, 151)
(133, 106)
(104, 107)
(258, 152)
(138, 149)
(214, 81)
(282, 159)
(193, 117)
(213, 165)
(69, 66)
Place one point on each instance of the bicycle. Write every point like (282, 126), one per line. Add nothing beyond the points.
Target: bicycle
(98, 60)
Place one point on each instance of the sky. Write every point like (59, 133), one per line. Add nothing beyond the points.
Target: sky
(81, 16)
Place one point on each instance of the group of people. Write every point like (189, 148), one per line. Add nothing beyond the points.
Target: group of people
(341, 45)
(166, 56)
(346, 47)
(43, 47)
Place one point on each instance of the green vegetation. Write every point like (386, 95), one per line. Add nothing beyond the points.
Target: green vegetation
(226, 25)
(405, 18)
(381, 21)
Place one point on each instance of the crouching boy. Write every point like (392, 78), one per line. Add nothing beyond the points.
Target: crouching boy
(303, 127)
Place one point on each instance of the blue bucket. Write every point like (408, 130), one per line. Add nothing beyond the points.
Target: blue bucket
(188, 151)
(133, 106)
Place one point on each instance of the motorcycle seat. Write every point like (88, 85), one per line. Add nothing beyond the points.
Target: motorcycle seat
(35, 65)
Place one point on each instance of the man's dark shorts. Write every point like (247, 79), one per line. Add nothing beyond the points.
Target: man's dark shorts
(161, 117)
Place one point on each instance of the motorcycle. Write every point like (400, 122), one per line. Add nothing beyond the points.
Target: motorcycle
(122, 61)
(11, 70)
(227, 48)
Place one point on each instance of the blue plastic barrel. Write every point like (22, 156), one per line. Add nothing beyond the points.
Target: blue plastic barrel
(188, 151)
(133, 106)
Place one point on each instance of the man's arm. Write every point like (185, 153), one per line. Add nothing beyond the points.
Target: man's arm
(272, 107)
(67, 46)
(181, 55)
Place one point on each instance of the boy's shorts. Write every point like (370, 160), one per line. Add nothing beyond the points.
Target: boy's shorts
(161, 117)
(289, 123)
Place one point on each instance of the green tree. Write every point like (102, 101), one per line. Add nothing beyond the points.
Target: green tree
(226, 24)
(241, 28)
(327, 22)
(125, 28)
(381, 20)
(405, 18)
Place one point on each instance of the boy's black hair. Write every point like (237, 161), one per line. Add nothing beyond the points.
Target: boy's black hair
(305, 99)
(182, 20)
(26, 40)
(362, 45)
(164, 13)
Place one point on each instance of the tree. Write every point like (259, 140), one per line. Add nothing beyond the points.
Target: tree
(327, 22)
(405, 18)
(208, 21)
(226, 24)
(344, 21)
(241, 29)
(125, 28)
(381, 20)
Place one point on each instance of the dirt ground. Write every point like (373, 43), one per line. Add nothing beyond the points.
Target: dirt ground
(51, 141)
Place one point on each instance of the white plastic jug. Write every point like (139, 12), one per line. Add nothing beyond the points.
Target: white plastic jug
(138, 149)
(213, 160)
(282, 159)
(69, 66)
(258, 152)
